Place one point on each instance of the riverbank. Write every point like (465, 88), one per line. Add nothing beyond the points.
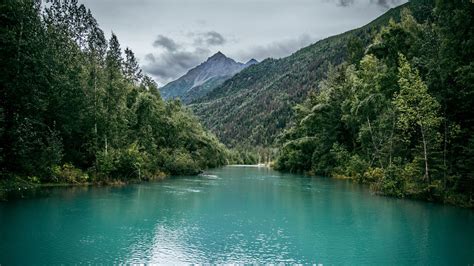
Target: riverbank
(18, 184)
(22, 184)
(412, 192)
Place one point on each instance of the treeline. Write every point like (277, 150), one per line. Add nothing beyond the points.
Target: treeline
(399, 114)
(75, 107)
(244, 154)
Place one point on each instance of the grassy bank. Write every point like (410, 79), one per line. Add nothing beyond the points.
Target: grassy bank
(17, 184)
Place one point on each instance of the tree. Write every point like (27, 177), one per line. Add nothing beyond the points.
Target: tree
(355, 49)
(417, 111)
(114, 101)
(368, 109)
(70, 105)
(132, 70)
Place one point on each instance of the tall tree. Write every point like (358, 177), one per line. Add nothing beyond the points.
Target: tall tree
(132, 70)
(418, 111)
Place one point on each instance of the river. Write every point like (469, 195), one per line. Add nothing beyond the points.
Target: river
(233, 215)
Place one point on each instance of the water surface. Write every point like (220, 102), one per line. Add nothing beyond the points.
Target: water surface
(234, 214)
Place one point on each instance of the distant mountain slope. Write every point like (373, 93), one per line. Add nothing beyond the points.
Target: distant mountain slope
(255, 105)
(203, 78)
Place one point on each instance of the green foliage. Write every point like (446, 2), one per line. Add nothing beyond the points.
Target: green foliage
(248, 155)
(417, 111)
(69, 98)
(387, 182)
(347, 165)
(178, 162)
(69, 174)
(255, 106)
(395, 119)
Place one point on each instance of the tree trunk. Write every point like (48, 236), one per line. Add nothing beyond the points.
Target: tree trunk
(377, 153)
(106, 145)
(95, 109)
(425, 153)
(18, 52)
(445, 148)
(391, 144)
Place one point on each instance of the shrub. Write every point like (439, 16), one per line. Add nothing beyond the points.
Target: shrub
(178, 162)
(69, 174)
(389, 181)
(123, 163)
(346, 165)
(129, 163)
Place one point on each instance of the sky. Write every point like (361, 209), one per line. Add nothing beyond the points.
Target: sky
(169, 37)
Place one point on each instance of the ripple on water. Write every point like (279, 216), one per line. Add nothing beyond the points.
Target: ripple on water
(209, 176)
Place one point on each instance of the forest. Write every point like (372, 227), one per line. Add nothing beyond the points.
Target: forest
(76, 108)
(253, 107)
(388, 104)
(398, 113)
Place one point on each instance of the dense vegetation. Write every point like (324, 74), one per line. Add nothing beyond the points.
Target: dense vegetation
(254, 106)
(400, 116)
(388, 104)
(76, 108)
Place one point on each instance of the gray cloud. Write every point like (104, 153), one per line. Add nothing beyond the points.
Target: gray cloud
(214, 38)
(246, 28)
(210, 38)
(277, 49)
(382, 3)
(178, 58)
(165, 42)
(168, 66)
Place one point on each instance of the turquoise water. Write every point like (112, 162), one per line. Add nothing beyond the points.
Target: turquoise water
(235, 214)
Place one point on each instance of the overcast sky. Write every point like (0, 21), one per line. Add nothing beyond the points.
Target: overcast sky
(171, 36)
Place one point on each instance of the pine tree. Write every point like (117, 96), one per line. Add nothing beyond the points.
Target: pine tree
(132, 70)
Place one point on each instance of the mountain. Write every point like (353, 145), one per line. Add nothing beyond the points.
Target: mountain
(251, 62)
(255, 105)
(203, 78)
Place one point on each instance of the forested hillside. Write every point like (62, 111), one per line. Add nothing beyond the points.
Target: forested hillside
(77, 108)
(401, 117)
(254, 106)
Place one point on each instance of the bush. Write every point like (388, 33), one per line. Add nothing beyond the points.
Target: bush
(129, 163)
(105, 163)
(178, 162)
(33, 179)
(123, 163)
(69, 174)
(388, 182)
(346, 165)
(356, 167)
(372, 175)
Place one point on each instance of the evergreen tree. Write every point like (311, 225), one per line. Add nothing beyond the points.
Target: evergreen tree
(132, 70)
(71, 109)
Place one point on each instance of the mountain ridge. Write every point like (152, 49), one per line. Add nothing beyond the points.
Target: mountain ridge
(203, 78)
(255, 105)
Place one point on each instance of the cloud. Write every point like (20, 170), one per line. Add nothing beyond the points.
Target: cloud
(210, 38)
(168, 66)
(165, 42)
(386, 3)
(178, 57)
(214, 38)
(381, 3)
(277, 49)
